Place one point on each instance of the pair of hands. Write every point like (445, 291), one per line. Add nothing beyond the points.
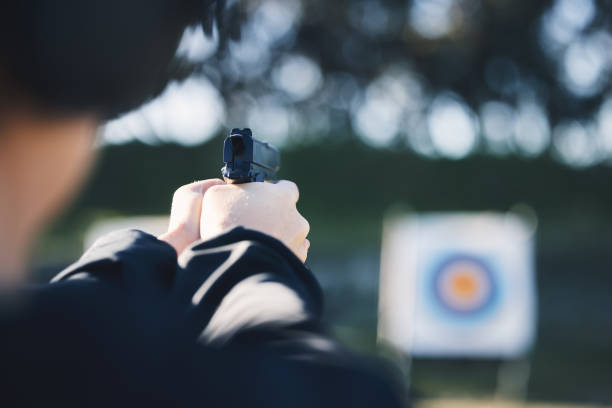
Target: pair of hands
(205, 209)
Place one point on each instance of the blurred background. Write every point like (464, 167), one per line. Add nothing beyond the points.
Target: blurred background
(380, 106)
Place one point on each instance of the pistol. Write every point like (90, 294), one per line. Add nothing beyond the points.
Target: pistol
(248, 159)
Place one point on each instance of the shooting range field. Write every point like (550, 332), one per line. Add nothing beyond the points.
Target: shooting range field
(470, 403)
(570, 360)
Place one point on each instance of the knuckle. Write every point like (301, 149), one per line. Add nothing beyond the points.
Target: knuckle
(187, 188)
(304, 251)
(305, 225)
(178, 192)
(291, 189)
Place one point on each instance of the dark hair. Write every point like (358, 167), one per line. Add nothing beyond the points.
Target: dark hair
(101, 56)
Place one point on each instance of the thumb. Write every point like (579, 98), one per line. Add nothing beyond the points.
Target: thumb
(187, 203)
(203, 185)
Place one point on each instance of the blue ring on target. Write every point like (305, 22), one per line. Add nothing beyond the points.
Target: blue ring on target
(472, 268)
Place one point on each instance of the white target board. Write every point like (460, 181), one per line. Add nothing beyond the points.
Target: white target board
(458, 285)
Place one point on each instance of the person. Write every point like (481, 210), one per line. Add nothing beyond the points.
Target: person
(218, 311)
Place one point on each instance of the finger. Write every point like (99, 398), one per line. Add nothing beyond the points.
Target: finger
(290, 188)
(299, 227)
(305, 226)
(187, 203)
(303, 251)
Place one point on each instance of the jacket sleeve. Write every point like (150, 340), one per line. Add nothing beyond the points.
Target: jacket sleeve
(240, 291)
(130, 260)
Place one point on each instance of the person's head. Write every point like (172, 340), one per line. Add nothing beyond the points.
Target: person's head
(66, 66)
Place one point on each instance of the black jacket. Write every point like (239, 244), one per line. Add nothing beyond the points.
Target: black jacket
(235, 322)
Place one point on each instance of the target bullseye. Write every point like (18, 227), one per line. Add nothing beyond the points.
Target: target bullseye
(464, 285)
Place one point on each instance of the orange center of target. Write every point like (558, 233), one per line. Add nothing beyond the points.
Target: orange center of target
(464, 285)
